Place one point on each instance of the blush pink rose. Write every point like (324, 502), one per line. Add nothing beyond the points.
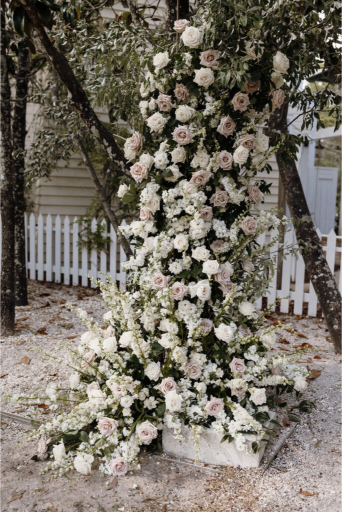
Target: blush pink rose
(248, 141)
(237, 366)
(214, 406)
(209, 58)
(135, 142)
(145, 214)
(220, 198)
(118, 466)
(89, 358)
(255, 196)
(193, 370)
(107, 426)
(139, 171)
(179, 290)
(200, 178)
(180, 25)
(182, 135)
(164, 102)
(117, 390)
(251, 87)
(206, 213)
(225, 160)
(226, 126)
(223, 277)
(248, 266)
(226, 288)
(278, 97)
(159, 281)
(245, 331)
(42, 445)
(92, 387)
(206, 325)
(217, 246)
(249, 225)
(181, 92)
(147, 432)
(240, 101)
(167, 385)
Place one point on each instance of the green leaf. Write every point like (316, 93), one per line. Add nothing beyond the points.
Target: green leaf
(128, 198)
(18, 18)
(84, 437)
(160, 411)
(255, 446)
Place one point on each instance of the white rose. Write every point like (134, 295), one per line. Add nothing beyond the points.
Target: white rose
(240, 155)
(152, 371)
(277, 79)
(59, 452)
(160, 60)
(147, 432)
(126, 339)
(300, 384)
(161, 160)
(106, 317)
(201, 159)
(184, 113)
(201, 289)
(167, 340)
(178, 155)
(109, 344)
(82, 463)
(225, 332)
(156, 122)
(122, 190)
(173, 401)
(262, 142)
(268, 339)
(204, 77)
(147, 159)
(88, 336)
(252, 51)
(228, 266)
(211, 267)
(192, 37)
(247, 309)
(74, 380)
(126, 401)
(153, 204)
(181, 243)
(280, 63)
(258, 395)
(201, 253)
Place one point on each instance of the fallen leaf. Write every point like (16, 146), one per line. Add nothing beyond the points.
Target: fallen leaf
(53, 374)
(309, 360)
(113, 483)
(17, 496)
(301, 335)
(23, 319)
(317, 357)
(67, 325)
(286, 422)
(71, 337)
(284, 340)
(299, 317)
(42, 330)
(45, 294)
(43, 406)
(328, 339)
(61, 302)
(283, 348)
(21, 409)
(3, 425)
(3, 375)
(303, 345)
(314, 374)
(277, 322)
(306, 493)
(25, 360)
(47, 305)
(317, 443)
(40, 490)
(269, 317)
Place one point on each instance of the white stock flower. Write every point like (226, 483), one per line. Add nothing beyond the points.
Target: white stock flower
(161, 160)
(82, 463)
(74, 380)
(88, 336)
(126, 339)
(59, 452)
(126, 401)
(122, 190)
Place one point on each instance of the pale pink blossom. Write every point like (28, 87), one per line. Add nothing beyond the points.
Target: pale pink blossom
(89, 357)
(255, 196)
(180, 25)
(200, 178)
(206, 325)
(223, 277)
(182, 135)
(217, 246)
(226, 288)
(94, 386)
(107, 426)
(179, 290)
(214, 406)
(135, 142)
(251, 87)
(145, 214)
(278, 97)
(139, 171)
(249, 225)
(225, 160)
(226, 126)
(220, 198)
(159, 281)
(147, 432)
(248, 266)
(209, 58)
(240, 101)
(248, 141)
(167, 385)
(117, 390)
(164, 102)
(206, 213)
(118, 466)
(181, 92)
(237, 366)
(193, 370)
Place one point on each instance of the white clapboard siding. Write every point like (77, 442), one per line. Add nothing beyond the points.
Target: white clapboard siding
(53, 254)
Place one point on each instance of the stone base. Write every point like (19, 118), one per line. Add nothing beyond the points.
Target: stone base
(211, 450)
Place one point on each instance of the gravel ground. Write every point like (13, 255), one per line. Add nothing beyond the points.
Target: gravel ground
(305, 476)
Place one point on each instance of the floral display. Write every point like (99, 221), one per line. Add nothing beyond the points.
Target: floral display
(183, 344)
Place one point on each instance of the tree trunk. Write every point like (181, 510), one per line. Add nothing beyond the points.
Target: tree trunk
(308, 241)
(18, 137)
(7, 202)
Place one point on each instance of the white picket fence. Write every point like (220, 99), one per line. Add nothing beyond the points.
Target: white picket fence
(53, 254)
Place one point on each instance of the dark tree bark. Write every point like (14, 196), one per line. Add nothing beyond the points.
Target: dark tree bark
(172, 15)
(7, 196)
(18, 138)
(311, 248)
